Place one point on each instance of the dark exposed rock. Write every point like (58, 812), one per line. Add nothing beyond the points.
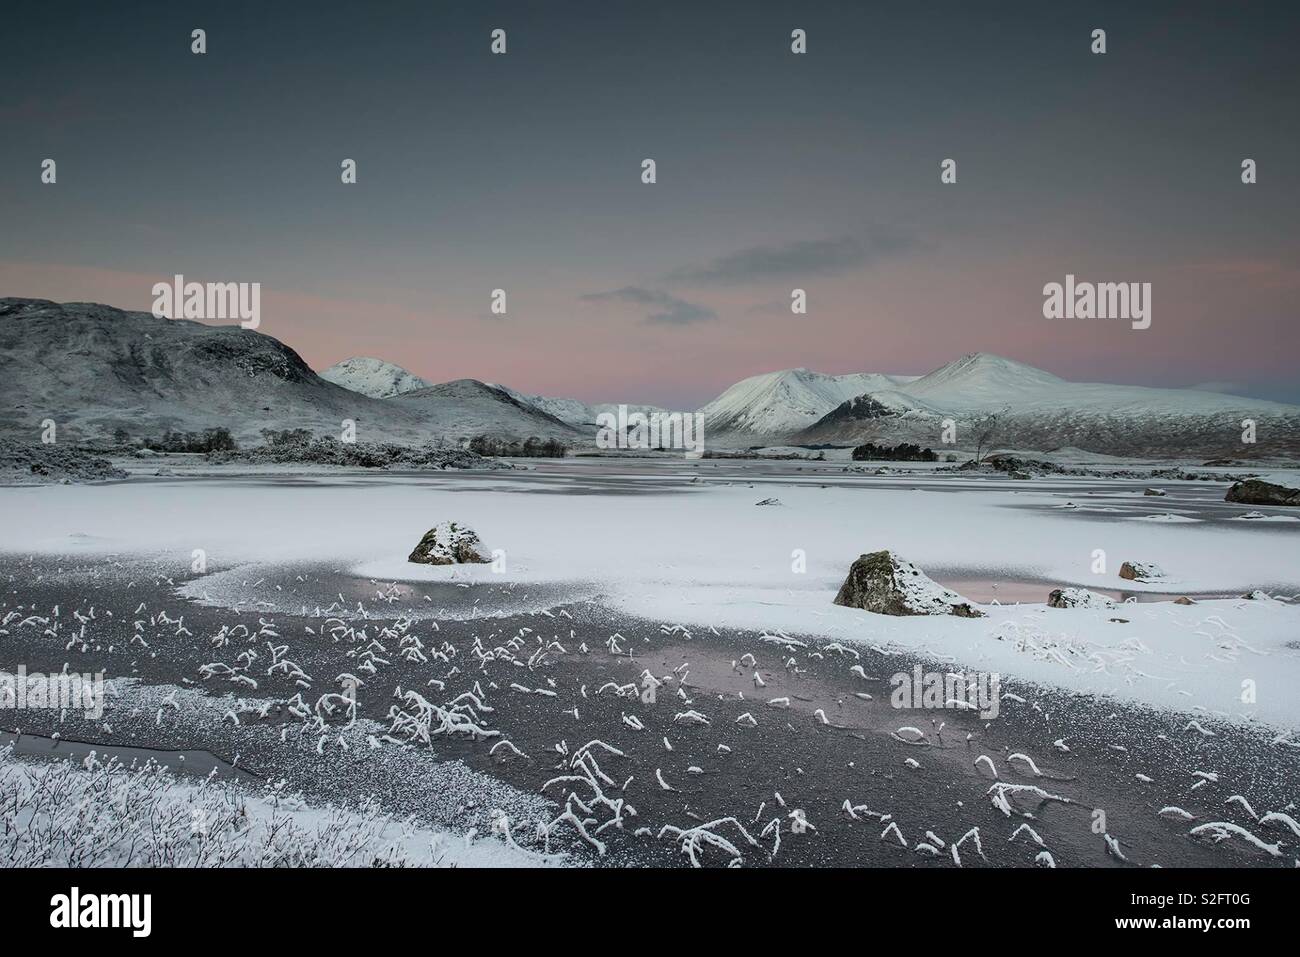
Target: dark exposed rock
(859, 408)
(1257, 492)
(887, 585)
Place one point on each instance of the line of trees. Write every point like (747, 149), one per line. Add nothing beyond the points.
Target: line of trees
(903, 452)
(532, 447)
(209, 440)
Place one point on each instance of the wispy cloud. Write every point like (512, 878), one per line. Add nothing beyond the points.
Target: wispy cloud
(1263, 273)
(669, 309)
(777, 307)
(809, 257)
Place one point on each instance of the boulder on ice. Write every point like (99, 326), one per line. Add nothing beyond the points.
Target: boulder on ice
(1078, 598)
(449, 543)
(1140, 571)
(1255, 492)
(888, 585)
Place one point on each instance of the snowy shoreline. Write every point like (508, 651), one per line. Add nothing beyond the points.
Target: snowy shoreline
(685, 543)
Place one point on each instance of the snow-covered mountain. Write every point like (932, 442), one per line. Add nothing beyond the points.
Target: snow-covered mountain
(1039, 410)
(981, 381)
(464, 408)
(778, 403)
(373, 377)
(381, 379)
(95, 370)
(566, 410)
(572, 411)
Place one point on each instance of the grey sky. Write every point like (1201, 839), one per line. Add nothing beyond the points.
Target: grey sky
(774, 170)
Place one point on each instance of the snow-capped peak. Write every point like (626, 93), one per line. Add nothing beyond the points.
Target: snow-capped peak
(373, 377)
(981, 374)
(788, 400)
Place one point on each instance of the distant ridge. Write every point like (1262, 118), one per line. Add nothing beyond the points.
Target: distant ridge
(1038, 410)
(96, 370)
(373, 377)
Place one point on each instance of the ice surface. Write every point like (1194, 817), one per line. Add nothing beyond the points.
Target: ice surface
(702, 553)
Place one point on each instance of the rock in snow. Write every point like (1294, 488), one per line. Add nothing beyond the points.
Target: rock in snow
(888, 585)
(1154, 491)
(448, 543)
(1140, 571)
(1078, 598)
(1256, 492)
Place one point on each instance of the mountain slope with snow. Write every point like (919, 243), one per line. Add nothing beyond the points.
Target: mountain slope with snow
(1039, 410)
(94, 369)
(566, 410)
(985, 383)
(464, 408)
(777, 403)
(373, 377)
(981, 380)
(574, 411)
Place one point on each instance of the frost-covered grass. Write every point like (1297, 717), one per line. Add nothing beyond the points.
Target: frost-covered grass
(107, 814)
(30, 463)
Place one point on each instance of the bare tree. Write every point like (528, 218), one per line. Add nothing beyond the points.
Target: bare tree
(985, 429)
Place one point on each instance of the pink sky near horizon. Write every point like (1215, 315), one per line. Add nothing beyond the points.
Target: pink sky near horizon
(906, 317)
